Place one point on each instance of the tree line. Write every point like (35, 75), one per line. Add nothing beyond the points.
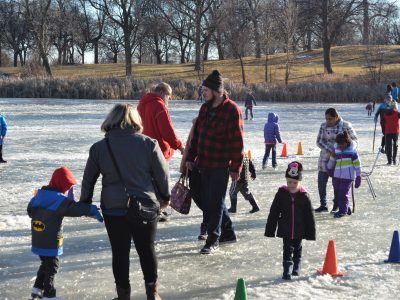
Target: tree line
(180, 31)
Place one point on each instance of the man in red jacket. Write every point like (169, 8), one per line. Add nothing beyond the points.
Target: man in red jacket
(157, 123)
(217, 150)
(156, 120)
(391, 118)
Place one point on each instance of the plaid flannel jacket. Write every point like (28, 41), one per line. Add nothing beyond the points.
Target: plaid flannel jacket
(218, 137)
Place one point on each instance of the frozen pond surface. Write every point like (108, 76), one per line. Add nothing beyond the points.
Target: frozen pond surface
(44, 134)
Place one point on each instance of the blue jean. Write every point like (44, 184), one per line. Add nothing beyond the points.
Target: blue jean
(322, 183)
(214, 183)
(268, 148)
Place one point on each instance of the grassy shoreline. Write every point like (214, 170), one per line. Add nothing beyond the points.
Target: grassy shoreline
(349, 83)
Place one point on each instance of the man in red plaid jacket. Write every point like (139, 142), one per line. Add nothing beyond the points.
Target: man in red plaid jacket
(217, 151)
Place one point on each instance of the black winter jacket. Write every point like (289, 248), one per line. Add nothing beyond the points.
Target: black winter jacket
(295, 218)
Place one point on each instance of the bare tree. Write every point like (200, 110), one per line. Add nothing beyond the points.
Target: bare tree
(14, 30)
(127, 14)
(255, 13)
(92, 25)
(375, 9)
(37, 15)
(333, 16)
(237, 31)
(286, 18)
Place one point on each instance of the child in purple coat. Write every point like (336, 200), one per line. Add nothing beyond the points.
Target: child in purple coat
(271, 136)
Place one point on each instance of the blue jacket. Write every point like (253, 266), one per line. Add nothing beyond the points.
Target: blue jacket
(47, 210)
(271, 130)
(395, 93)
(3, 128)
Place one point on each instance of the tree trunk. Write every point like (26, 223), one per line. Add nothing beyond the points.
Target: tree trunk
(45, 59)
(115, 57)
(365, 22)
(326, 42)
(96, 52)
(197, 66)
(257, 38)
(242, 67)
(309, 39)
(266, 67)
(83, 57)
(15, 59)
(128, 55)
(1, 54)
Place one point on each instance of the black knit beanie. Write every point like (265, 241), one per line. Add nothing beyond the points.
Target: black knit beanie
(294, 171)
(214, 82)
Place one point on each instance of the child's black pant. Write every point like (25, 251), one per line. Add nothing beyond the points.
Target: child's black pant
(120, 233)
(46, 274)
(292, 250)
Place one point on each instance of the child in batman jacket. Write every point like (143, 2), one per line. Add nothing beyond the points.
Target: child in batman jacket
(47, 209)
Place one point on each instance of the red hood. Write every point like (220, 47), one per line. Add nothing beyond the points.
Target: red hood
(62, 179)
(150, 98)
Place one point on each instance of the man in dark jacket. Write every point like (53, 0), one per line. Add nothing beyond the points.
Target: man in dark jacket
(217, 150)
(248, 104)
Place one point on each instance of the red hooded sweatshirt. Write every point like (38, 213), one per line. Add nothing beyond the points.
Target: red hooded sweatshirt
(157, 123)
(62, 180)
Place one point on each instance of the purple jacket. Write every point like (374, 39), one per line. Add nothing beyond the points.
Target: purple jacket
(271, 130)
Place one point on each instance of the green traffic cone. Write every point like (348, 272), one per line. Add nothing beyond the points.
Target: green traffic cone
(241, 293)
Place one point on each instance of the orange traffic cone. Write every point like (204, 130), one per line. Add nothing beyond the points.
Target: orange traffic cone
(300, 149)
(249, 154)
(330, 264)
(284, 151)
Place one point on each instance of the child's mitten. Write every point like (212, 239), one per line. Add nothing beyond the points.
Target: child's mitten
(358, 182)
(94, 211)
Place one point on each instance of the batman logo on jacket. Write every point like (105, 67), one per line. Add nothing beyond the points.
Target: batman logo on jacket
(38, 225)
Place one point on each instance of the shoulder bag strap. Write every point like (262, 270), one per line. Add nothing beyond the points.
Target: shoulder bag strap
(117, 168)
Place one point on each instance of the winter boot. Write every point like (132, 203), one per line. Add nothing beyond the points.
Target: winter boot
(232, 209)
(254, 204)
(203, 232)
(287, 270)
(296, 267)
(1, 155)
(123, 293)
(36, 293)
(152, 291)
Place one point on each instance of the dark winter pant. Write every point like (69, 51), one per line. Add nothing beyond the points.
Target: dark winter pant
(268, 148)
(120, 233)
(243, 188)
(195, 190)
(46, 274)
(251, 111)
(391, 146)
(383, 135)
(1, 152)
(322, 183)
(342, 189)
(214, 183)
(292, 249)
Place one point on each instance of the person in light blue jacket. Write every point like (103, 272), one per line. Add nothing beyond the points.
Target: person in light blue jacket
(395, 92)
(3, 132)
(271, 136)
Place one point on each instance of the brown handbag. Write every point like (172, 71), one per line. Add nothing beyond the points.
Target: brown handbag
(181, 199)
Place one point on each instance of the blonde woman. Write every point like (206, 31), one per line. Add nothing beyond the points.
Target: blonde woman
(139, 170)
